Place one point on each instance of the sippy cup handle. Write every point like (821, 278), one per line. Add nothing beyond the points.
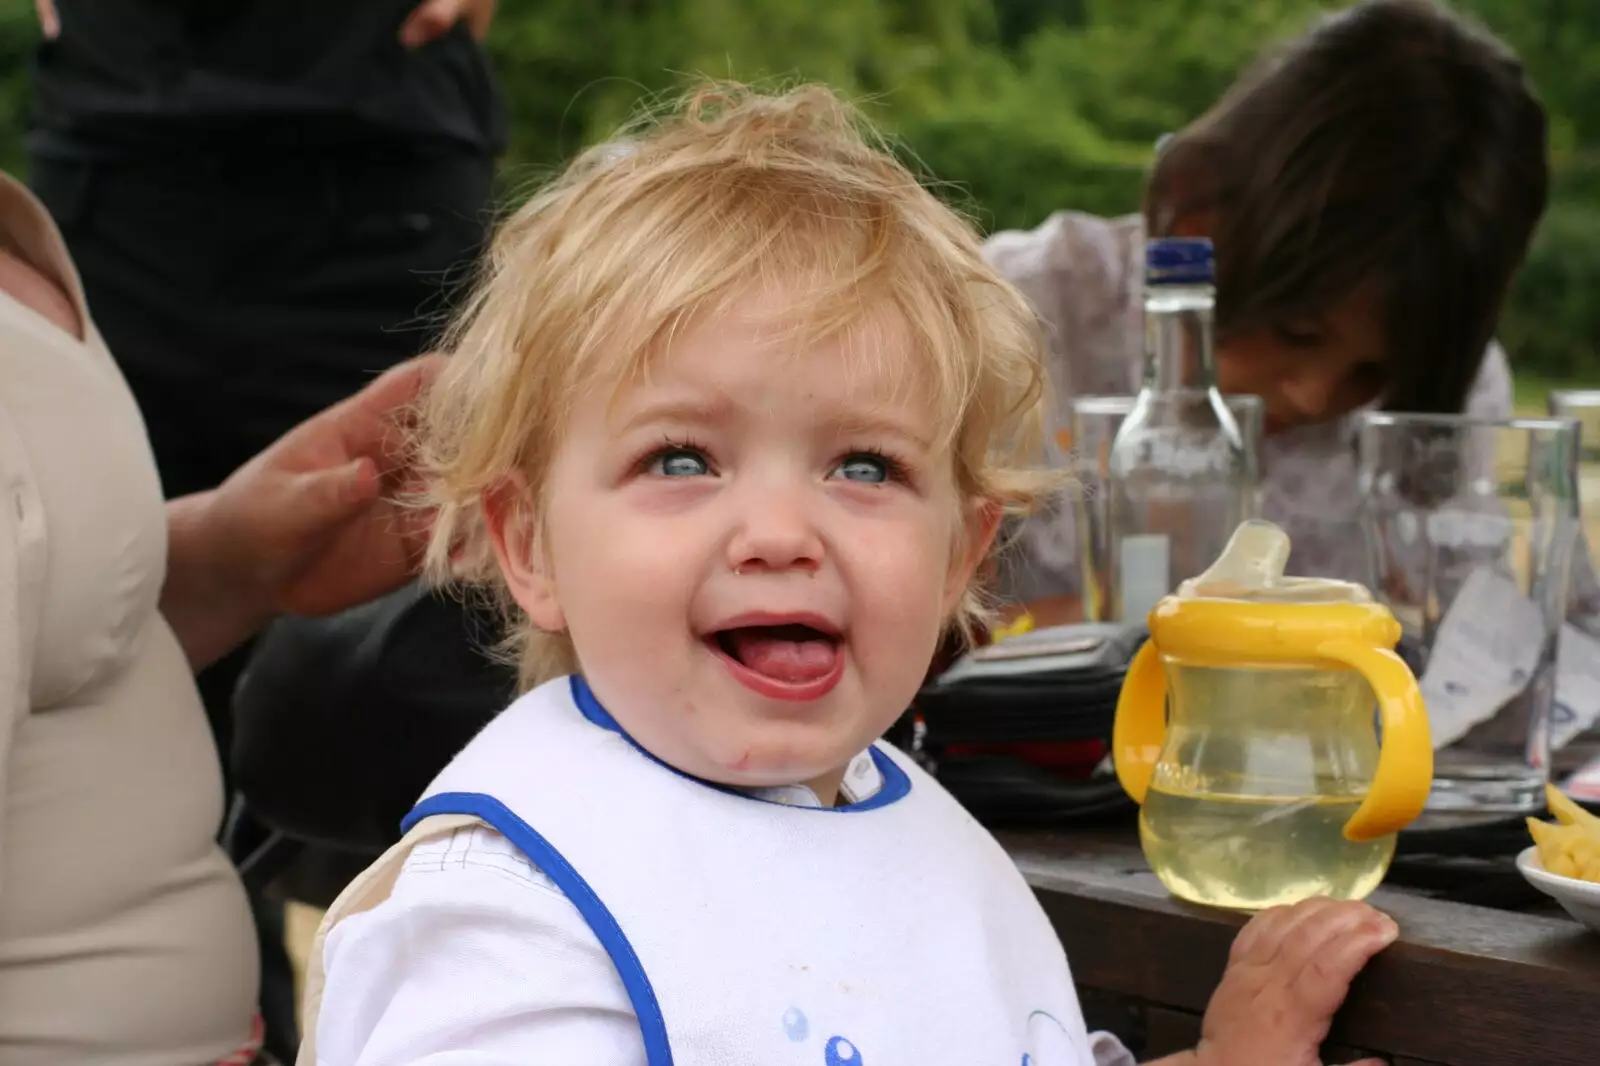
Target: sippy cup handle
(1405, 758)
(1140, 727)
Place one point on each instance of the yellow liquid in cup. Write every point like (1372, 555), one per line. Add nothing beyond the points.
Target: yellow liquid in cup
(1252, 852)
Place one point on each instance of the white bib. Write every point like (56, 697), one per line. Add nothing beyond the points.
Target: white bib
(891, 932)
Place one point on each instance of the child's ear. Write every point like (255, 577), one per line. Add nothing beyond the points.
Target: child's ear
(980, 523)
(519, 552)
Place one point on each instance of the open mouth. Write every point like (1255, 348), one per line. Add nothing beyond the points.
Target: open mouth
(790, 660)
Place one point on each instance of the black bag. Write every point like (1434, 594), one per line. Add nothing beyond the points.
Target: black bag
(984, 725)
(340, 723)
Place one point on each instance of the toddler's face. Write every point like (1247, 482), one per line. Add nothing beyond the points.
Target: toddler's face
(755, 547)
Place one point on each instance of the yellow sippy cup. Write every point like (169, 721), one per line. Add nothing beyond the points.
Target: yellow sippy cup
(1266, 784)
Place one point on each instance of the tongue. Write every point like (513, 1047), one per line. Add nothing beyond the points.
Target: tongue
(782, 658)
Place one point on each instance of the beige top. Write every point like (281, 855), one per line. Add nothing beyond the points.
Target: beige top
(125, 937)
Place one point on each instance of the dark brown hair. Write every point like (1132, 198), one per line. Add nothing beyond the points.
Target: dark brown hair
(1396, 145)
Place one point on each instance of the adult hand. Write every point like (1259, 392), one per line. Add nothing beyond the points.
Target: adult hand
(49, 21)
(432, 19)
(310, 526)
(312, 522)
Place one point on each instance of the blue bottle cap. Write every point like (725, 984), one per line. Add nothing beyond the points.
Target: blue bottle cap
(1179, 261)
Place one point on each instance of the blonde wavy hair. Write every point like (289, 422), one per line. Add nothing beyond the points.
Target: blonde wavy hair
(677, 217)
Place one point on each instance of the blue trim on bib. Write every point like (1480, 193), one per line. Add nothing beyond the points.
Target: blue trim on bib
(657, 1048)
(896, 783)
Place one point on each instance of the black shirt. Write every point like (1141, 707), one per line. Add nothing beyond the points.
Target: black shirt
(145, 77)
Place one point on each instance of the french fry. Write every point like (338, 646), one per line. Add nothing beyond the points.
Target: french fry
(1569, 846)
(1545, 834)
(1566, 809)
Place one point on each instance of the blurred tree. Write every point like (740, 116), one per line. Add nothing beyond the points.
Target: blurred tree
(1016, 20)
(19, 33)
(1139, 68)
(1019, 107)
(1559, 43)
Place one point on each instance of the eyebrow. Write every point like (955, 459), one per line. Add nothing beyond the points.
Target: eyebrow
(696, 411)
(705, 411)
(860, 423)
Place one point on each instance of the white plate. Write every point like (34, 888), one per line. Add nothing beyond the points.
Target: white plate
(1581, 899)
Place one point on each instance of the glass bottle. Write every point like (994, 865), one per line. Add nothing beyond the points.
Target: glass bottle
(1180, 475)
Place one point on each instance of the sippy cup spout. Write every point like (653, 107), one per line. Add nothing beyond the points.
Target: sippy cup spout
(1251, 568)
(1253, 561)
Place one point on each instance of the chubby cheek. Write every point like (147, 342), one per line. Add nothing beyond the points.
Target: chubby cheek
(897, 600)
(623, 596)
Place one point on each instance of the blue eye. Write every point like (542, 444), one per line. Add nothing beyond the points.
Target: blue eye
(679, 462)
(869, 469)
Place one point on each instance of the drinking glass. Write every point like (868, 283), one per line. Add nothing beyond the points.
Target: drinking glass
(1583, 407)
(1470, 526)
(1093, 425)
(1575, 731)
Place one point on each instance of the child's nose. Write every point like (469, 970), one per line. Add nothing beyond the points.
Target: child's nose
(777, 534)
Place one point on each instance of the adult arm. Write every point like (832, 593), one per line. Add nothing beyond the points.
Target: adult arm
(308, 526)
(209, 610)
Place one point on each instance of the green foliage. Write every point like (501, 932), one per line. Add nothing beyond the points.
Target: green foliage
(19, 32)
(1016, 107)
(1139, 68)
(1042, 173)
(1552, 323)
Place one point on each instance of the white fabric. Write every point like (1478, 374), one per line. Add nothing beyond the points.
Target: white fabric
(746, 915)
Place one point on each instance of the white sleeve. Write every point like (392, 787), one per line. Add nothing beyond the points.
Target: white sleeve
(1490, 395)
(475, 959)
(1075, 270)
(1490, 398)
(1038, 554)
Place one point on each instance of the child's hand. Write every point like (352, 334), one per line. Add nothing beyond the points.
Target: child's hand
(1289, 970)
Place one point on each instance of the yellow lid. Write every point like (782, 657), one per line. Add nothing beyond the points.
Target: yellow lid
(1215, 632)
(1244, 609)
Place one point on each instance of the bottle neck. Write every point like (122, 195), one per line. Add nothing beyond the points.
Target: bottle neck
(1178, 348)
